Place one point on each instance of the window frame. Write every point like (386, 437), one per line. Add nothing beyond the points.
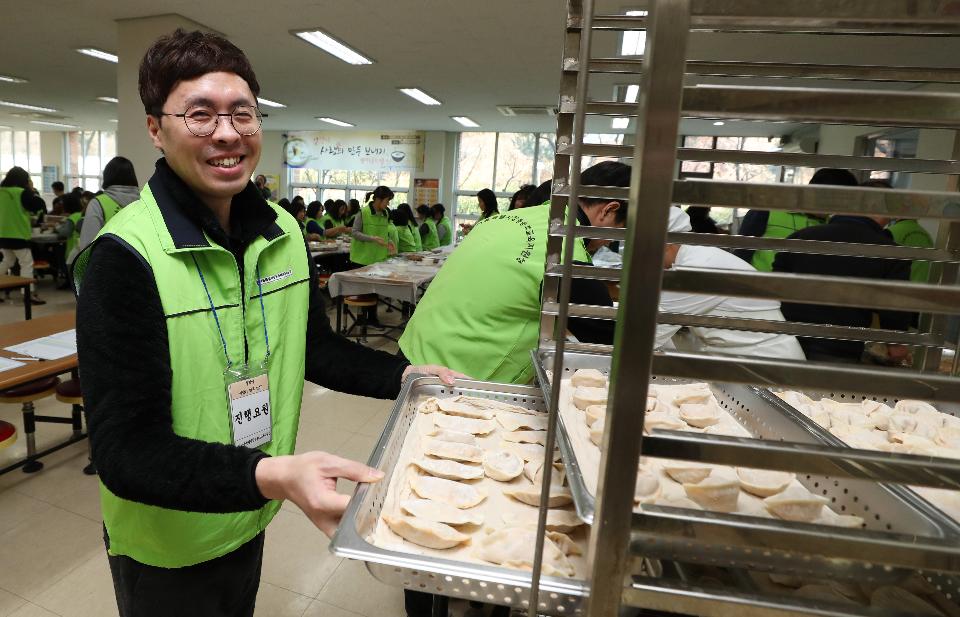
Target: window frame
(36, 175)
(71, 176)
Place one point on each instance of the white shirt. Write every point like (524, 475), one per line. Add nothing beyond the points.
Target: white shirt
(734, 342)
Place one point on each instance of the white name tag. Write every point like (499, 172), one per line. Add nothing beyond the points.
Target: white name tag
(273, 278)
(250, 411)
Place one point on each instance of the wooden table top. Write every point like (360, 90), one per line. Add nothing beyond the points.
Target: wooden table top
(23, 331)
(12, 282)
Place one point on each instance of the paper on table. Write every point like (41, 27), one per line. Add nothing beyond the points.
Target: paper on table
(53, 347)
(6, 364)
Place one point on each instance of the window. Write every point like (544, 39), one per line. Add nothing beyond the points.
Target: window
(87, 154)
(21, 149)
(897, 145)
(324, 184)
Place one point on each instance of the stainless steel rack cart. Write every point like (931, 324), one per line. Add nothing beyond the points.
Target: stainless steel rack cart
(664, 73)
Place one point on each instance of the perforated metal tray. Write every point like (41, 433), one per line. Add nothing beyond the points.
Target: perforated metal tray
(458, 579)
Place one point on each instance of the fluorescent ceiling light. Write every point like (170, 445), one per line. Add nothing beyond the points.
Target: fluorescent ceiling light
(108, 99)
(334, 121)
(633, 92)
(633, 41)
(719, 123)
(30, 107)
(465, 121)
(620, 123)
(99, 54)
(637, 13)
(420, 95)
(269, 103)
(4, 126)
(56, 124)
(112, 120)
(12, 80)
(333, 47)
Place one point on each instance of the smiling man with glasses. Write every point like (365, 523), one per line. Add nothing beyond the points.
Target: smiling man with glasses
(199, 317)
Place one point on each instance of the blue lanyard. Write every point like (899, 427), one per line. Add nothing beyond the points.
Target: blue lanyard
(216, 318)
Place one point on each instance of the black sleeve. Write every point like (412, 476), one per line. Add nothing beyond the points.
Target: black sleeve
(587, 291)
(754, 224)
(125, 368)
(897, 270)
(328, 224)
(424, 230)
(338, 363)
(32, 202)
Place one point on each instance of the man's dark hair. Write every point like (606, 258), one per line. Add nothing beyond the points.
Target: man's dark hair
(119, 171)
(16, 177)
(835, 177)
(72, 203)
(181, 56)
(608, 173)
(57, 186)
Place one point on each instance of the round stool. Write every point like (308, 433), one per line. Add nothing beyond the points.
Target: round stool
(8, 434)
(69, 392)
(25, 395)
(366, 303)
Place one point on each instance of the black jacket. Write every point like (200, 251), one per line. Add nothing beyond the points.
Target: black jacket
(125, 365)
(843, 229)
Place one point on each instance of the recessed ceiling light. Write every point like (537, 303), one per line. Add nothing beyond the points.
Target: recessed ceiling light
(269, 103)
(633, 92)
(332, 46)
(334, 121)
(108, 99)
(99, 54)
(12, 80)
(420, 95)
(719, 123)
(465, 121)
(30, 107)
(56, 124)
(620, 123)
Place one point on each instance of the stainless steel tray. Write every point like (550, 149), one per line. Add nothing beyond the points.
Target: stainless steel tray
(430, 574)
(891, 517)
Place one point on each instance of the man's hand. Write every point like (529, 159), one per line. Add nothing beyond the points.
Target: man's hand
(446, 375)
(310, 481)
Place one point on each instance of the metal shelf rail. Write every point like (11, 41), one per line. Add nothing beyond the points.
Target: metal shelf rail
(619, 536)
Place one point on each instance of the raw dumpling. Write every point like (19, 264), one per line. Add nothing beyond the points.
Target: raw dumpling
(439, 512)
(718, 492)
(557, 520)
(464, 409)
(425, 533)
(447, 491)
(539, 437)
(455, 436)
(453, 450)
(596, 431)
(829, 517)
(564, 543)
(502, 466)
(795, 399)
(530, 495)
(901, 600)
(585, 397)
(528, 451)
(915, 407)
(948, 437)
(694, 394)
(429, 405)
(594, 413)
(514, 546)
(647, 486)
(902, 423)
(464, 425)
(589, 378)
(676, 502)
(557, 477)
(687, 472)
(820, 591)
(700, 415)
(762, 482)
(664, 421)
(516, 421)
(796, 503)
(451, 470)
(531, 469)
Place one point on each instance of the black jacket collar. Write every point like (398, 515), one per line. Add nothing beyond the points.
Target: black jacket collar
(187, 217)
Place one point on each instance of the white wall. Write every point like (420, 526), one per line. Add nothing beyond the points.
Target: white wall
(271, 158)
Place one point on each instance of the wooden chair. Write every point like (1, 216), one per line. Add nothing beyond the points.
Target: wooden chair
(26, 395)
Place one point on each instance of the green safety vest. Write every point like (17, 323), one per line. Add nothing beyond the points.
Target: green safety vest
(481, 314)
(174, 538)
(780, 225)
(445, 224)
(432, 241)
(393, 236)
(14, 219)
(326, 217)
(908, 232)
(109, 206)
(308, 220)
(408, 239)
(366, 253)
(415, 234)
(76, 217)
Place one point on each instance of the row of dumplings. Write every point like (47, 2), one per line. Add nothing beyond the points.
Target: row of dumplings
(915, 596)
(718, 488)
(440, 509)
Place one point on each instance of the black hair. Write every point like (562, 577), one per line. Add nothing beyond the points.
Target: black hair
(331, 208)
(541, 194)
(72, 203)
(294, 207)
(284, 203)
(16, 177)
(877, 183)
(408, 213)
(88, 195)
(77, 191)
(314, 209)
(425, 211)
(400, 216)
(298, 199)
(57, 186)
(119, 172)
(489, 200)
(835, 177)
(354, 206)
(381, 192)
(438, 209)
(607, 173)
(523, 193)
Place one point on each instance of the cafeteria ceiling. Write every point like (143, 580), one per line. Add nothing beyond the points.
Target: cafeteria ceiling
(472, 56)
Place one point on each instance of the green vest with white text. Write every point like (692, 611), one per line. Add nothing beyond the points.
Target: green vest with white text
(14, 219)
(432, 240)
(172, 538)
(780, 225)
(366, 253)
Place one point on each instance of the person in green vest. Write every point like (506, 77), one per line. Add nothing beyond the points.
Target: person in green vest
(444, 228)
(299, 212)
(908, 232)
(481, 314)
(331, 224)
(393, 234)
(353, 209)
(408, 235)
(18, 201)
(429, 237)
(781, 224)
(120, 187)
(371, 243)
(198, 319)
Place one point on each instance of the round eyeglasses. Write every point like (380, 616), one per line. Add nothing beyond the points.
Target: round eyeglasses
(203, 121)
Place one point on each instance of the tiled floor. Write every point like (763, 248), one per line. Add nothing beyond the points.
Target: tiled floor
(52, 560)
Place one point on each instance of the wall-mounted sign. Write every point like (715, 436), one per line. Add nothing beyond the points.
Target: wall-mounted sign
(355, 150)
